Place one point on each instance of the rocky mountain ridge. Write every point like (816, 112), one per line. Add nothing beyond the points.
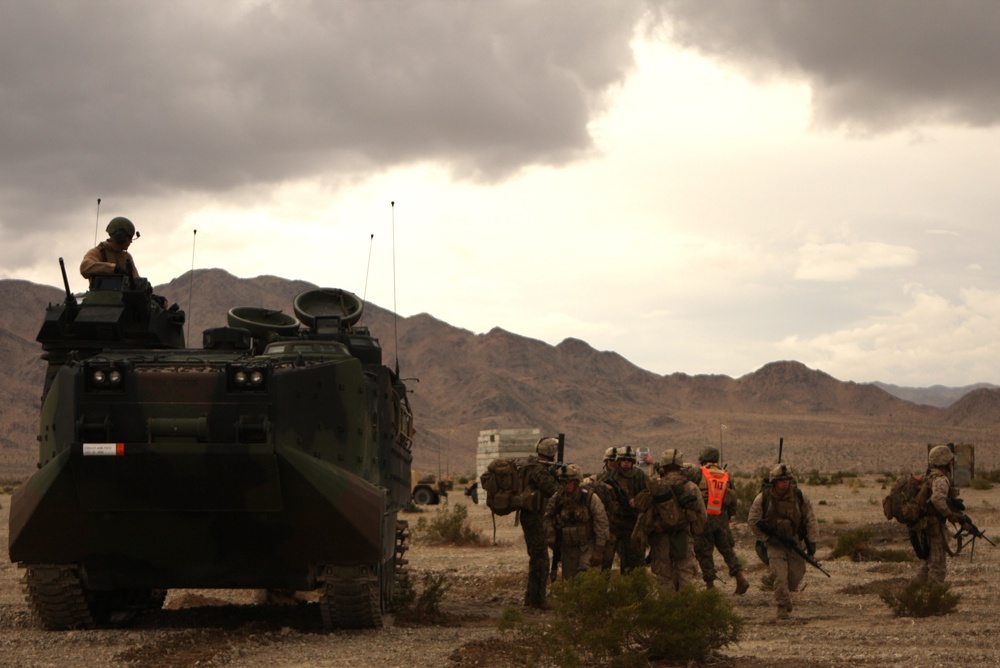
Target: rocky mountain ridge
(466, 382)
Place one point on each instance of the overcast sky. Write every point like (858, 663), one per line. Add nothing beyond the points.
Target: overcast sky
(701, 186)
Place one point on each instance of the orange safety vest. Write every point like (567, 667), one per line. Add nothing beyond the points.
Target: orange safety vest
(718, 482)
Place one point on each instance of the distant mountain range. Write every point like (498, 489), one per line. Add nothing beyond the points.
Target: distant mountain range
(466, 382)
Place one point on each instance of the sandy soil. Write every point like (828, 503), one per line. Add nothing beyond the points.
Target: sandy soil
(838, 621)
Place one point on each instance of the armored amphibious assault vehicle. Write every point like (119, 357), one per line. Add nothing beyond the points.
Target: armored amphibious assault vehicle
(276, 456)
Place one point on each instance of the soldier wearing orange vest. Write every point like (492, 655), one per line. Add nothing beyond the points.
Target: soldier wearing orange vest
(720, 503)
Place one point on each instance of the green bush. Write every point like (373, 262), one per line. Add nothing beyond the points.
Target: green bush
(921, 598)
(746, 491)
(425, 606)
(856, 546)
(981, 482)
(450, 526)
(609, 619)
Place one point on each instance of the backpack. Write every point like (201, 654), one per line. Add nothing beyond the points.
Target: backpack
(508, 487)
(907, 500)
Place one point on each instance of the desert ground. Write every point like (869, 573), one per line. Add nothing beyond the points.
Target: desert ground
(838, 621)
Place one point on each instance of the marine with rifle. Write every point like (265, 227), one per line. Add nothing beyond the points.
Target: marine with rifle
(927, 534)
(541, 480)
(626, 482)
(783, 522)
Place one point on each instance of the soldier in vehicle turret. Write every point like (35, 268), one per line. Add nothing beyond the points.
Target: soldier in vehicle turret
(111, 257)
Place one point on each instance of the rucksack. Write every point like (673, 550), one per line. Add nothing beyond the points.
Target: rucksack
(907, 500)
(507, 486)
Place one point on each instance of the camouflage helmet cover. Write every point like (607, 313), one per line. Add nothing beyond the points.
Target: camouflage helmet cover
(547, 447)
(626, 453)
(120, 229)
(781, 472)
(709, 454)
(571, 472)
(940, 455)
(672, 457)
(610, 453)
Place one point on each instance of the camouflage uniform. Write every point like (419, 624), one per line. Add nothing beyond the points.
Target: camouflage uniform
(623, 521)
(717, 533)
(931, 529)
(610, 503)
(672, 557)
(540, 478)
(104, 258)
(789, 514)
(578, 519)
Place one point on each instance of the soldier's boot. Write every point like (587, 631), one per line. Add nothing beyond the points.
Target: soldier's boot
(709, 584)
(784, 611)
(742, 584)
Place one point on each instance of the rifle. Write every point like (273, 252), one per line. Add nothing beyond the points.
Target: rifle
(968, 530)
(557, 548)
(623, 504)
(791, 544)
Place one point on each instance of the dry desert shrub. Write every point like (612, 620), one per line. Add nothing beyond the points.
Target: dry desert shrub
(450, 526)
(921, 598)
(609, 619)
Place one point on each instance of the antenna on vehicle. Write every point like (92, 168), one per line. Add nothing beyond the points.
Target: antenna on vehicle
(395, 313)
(97, 220)
(371, 242)
(194, 238)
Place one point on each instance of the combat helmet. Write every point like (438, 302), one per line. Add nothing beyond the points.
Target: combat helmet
(610, 453)
(672, 457)
(571, 472)
(781, 472)
(121, 229)
(940, 455)
(709, 454)
(547, 446)
(626, 453)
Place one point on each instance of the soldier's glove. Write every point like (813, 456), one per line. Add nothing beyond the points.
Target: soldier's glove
(955, 518)
(810, 548)
(597, 558)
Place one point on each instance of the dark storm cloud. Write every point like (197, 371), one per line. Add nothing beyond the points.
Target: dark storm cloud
(874, 65)
(149, 98)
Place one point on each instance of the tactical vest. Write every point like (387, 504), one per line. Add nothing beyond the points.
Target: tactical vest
(714, 484)
(784, 514)
(575, 519)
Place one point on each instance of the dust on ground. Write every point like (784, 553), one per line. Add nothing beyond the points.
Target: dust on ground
(838, 621)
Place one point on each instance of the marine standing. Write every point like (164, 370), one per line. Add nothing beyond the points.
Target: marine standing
(576, 517)
(720, 505)
(626, 482)
(672, 515)
(610, 464)
(786, 511)
(542, 482)
(929, 531)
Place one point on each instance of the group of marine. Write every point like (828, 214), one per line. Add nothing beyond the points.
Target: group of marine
(680, 514)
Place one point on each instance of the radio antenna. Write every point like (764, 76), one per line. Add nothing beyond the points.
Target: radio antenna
(395, 313)
(194, 238)
(97, 220)
(371, 242)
